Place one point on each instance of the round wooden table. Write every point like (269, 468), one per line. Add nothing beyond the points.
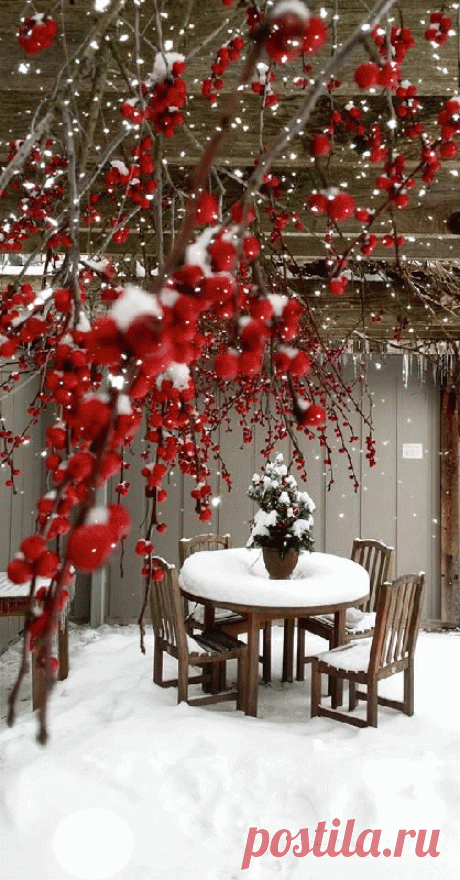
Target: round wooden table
(237, 579)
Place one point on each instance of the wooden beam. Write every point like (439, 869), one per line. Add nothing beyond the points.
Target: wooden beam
(450, 475)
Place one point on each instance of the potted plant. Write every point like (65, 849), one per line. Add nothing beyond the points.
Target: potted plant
(283, 524)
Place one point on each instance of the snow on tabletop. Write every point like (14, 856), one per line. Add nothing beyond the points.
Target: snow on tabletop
(189, 782)
(239, 576)
(8, 589)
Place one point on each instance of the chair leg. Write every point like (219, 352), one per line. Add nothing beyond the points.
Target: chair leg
(240, 700)
(352, 699)
(315, 688)
(300, 672)
(215, 678)
(222, 676)
(158, 664)
(408, 699)
(372, 707)
(182, 682)
(267, 652)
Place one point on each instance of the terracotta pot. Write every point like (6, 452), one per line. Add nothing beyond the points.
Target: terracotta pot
(280, 567)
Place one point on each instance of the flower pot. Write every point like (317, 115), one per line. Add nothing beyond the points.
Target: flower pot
(280, 567)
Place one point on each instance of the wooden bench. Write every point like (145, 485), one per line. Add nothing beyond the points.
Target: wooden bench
(14, 602)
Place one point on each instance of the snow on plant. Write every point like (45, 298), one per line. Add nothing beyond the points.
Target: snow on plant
(285, 516)
(217, 324)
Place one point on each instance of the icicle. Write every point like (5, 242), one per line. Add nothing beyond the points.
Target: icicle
(421, 369)
(405, 369)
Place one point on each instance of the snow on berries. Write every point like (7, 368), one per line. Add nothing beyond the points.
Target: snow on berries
(439, 29)
(292, 32)
(337, 204)
(37, 32)
(164, 93)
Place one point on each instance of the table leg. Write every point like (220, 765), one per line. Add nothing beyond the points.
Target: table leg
(288, 650)
(216, 670)
(252, 681)
(339, 639)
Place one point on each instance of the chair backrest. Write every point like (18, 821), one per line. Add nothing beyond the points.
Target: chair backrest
(377, 559)
(397, 621)
(167, 607)
(210, 541)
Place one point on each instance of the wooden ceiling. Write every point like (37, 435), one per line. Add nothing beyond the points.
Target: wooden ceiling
(430, 224)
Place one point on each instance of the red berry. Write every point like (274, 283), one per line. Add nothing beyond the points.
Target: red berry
(33, 547)
(207, 210)
(89, 546)
(340, 207)
(226, 365)
(367, 75)
(19, 571)
(448, 149)
(320, 145)
(287, 34)
(62, 299)
(315, 37)
(314, 416)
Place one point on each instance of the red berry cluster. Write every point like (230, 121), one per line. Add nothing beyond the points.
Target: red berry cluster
(211, 85)
(39, 188)
(431, 163)
(370, 75)
(401, 40)
(395, 181)
(449, 120)
(407, 109)
(261, 84)
(37, 33)
(377, 152)
(438, 31)
(163, 99)
(292, 32)
(350, 117)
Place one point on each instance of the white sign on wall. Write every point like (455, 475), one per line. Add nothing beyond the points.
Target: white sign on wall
(412, 450)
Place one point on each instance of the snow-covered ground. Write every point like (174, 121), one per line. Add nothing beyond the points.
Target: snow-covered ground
(134, 787)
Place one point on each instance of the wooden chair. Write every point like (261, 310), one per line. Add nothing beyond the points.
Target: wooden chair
(15, 602)
(196, 617)
(390, 650)
(231, 623)
(378, 560)
(206, 649)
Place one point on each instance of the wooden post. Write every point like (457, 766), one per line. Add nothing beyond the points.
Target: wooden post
(449, 476)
